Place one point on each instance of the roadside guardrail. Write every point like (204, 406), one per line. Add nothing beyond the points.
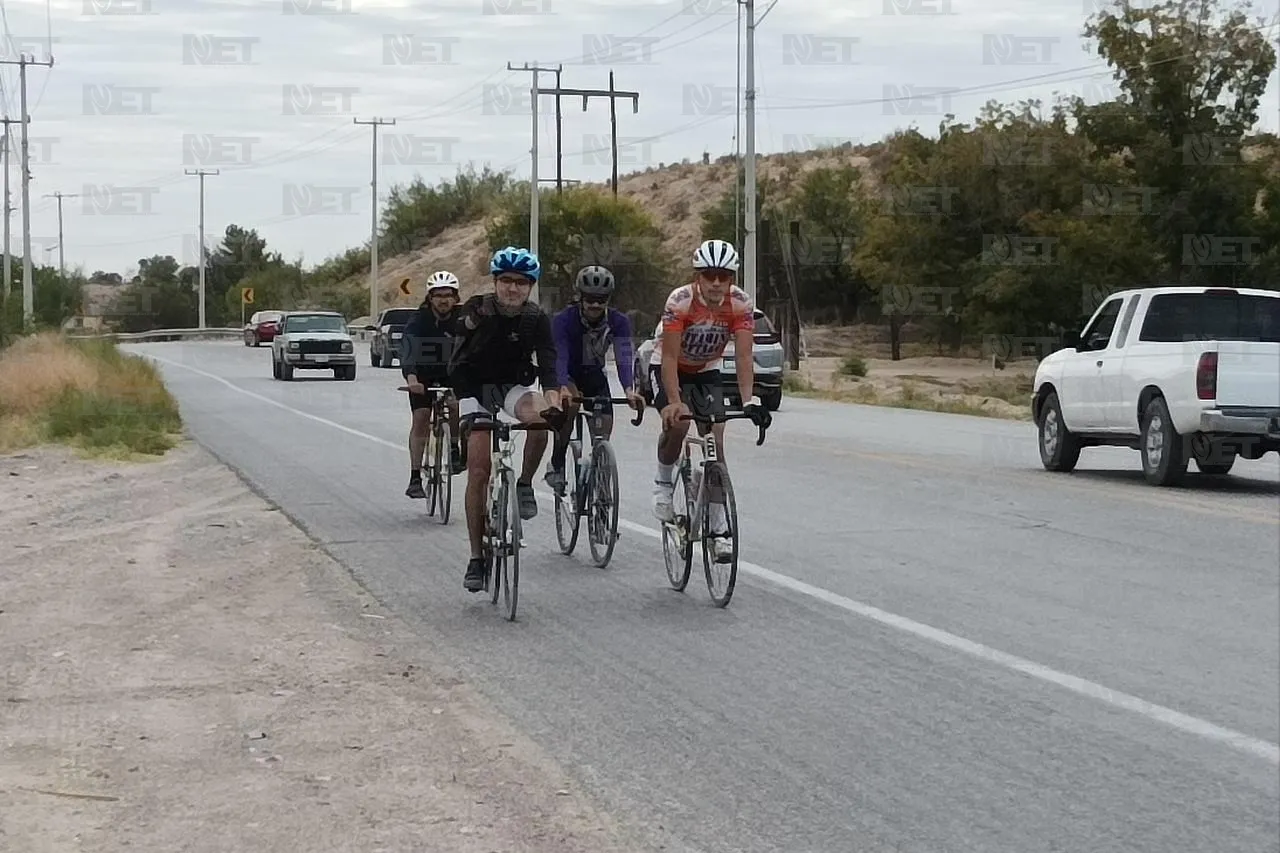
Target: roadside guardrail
(163, 334)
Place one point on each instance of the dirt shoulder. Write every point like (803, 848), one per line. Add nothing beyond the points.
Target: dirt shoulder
(185, 670)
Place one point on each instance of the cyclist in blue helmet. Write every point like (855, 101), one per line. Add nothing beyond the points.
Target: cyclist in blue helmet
(493, 369)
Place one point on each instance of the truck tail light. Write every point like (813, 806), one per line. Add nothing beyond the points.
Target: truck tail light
(1207, 376)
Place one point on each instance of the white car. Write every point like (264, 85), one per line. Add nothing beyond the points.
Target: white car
(313, 340)
(1178, 373)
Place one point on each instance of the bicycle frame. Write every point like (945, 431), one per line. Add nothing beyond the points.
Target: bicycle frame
(592, 422)
(710, 455)
(502, 474)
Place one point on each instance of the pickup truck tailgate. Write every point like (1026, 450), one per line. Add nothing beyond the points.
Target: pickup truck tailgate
(1249, 374)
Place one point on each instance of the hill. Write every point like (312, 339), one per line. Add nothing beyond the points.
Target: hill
(676, 196)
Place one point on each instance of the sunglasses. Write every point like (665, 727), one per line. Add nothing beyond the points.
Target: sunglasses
(515, 279)
(595, 300)
(716, 275)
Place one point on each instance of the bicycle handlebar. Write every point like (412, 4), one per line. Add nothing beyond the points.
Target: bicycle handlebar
(734, 416)
(604, 399)
(551, 417)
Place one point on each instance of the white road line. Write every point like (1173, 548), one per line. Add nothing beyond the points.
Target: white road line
(1269, 752)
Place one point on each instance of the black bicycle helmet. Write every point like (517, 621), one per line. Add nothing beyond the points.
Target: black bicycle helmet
(594, 281)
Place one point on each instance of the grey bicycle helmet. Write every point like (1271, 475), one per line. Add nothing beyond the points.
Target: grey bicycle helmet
(594, 281)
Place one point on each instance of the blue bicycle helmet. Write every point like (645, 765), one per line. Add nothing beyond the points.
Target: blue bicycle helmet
(514, 259)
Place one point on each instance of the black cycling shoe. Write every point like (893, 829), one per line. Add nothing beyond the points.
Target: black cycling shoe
(527, 500)
(415, 489)
(474, 581)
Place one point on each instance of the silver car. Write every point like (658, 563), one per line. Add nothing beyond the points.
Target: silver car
(768, 356)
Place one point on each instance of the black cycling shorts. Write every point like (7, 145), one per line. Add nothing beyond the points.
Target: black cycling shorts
(702, 392)
(593, 382)
(427, 400)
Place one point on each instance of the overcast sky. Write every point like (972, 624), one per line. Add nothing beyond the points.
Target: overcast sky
(267, 90)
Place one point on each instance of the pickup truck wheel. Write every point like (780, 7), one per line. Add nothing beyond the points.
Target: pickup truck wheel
(275, 368)
(373, 358)
(1059, 447)
(286, 372)
(1212, 458)
(1164, 457)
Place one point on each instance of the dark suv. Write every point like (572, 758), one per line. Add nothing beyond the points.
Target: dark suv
(385, 344)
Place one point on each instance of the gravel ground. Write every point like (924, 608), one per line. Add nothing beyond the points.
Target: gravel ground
(186, 670)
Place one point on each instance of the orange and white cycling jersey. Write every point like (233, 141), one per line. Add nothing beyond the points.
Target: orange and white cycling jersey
(704, 330)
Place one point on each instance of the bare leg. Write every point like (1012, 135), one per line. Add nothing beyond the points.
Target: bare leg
(418, 437)
(478, 446)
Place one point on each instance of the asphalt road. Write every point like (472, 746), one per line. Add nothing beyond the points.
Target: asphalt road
(935, 645)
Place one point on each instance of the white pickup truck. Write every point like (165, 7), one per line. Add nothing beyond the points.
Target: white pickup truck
(1178, 373)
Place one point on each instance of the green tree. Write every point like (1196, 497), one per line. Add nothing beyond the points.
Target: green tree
(1193, 73)
(583, 226)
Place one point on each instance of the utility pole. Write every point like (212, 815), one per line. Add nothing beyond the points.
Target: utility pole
(534, 91)
(28, 280)
(375, 123)
(201, 174)
(62, 257)
(559, 140)
(613, 95)
(749, 178)
(8, 208)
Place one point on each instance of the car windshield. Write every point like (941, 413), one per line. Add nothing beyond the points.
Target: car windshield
(399, 317)
(315, 323)
(1222, 316)
(763, 326)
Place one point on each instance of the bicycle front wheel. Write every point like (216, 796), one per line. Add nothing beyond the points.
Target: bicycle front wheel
(722, 573)
(511, 568)
(433, 470)
(677, 541)
(444, 470)
(602, 511)
(567, 516)
(498, 534)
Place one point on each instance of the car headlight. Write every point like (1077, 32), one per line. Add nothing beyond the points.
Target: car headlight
(293, 345)
(346, 346)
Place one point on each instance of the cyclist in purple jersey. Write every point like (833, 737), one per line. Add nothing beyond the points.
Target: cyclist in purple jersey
(583, 333)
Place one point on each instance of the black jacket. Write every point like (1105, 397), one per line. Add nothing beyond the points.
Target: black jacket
(501, 349)
(427, 344)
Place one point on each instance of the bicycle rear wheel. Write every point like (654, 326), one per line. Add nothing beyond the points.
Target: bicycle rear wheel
(444, 470)
(677, 543)
(511, 567)
(721, 576)
(567, 516)
(602, 511)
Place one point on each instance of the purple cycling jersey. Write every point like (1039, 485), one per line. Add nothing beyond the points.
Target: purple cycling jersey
(580, 347)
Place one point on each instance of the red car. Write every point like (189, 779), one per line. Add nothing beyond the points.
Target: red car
(262, 328)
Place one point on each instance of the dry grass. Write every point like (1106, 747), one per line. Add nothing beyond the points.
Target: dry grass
(955, 386)
(86, 394)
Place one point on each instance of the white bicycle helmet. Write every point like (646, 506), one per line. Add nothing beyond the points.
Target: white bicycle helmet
(715, 255)
(442, 280)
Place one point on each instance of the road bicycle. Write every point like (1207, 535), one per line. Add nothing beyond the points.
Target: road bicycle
(592, 488)
(502, 531)
(437, 474)
(700, 480)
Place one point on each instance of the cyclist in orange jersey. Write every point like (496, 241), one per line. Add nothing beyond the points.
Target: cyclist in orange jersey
(697, 324)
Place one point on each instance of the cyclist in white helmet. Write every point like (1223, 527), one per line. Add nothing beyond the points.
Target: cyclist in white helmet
(425, 348)
(697, 323)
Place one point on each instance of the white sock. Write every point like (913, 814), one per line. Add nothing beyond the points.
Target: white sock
(666, 473)
(719, 522)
